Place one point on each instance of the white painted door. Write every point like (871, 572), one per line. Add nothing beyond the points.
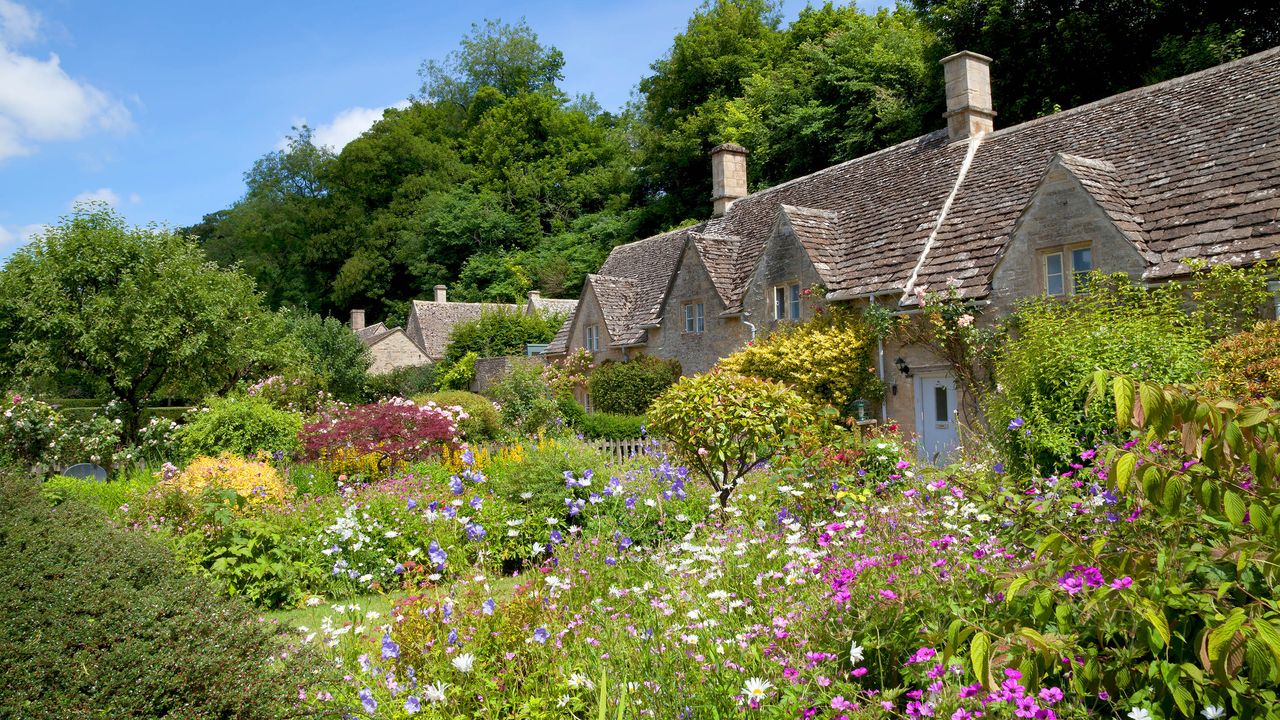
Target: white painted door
(936, 417)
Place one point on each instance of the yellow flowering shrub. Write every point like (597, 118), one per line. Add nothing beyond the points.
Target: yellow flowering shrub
(257, 482)
(481, 458)
(827, 359)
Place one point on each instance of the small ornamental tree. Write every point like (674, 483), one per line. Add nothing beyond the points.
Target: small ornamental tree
(724, 425)
(1246, 366)
(827, 359)
(394, 431)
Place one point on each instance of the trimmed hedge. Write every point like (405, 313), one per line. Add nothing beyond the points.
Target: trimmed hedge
(402, 382)
(607, 426)
(100, 622)
(629, 388)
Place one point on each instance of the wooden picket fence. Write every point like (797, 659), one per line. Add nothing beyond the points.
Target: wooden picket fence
(621, 449)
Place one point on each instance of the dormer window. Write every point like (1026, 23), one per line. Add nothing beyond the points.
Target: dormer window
(1064, 270)
(593, 338)
(694, 318)
(786, 302)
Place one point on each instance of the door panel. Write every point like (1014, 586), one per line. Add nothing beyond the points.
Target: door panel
(936, 417)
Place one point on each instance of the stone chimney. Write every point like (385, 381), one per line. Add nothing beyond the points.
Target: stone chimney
(728, 176)
(357, 320)
(441, 295)
(969, 111)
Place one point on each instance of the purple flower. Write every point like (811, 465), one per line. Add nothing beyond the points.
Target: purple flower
(475, 503)
(1015, 423)
(998, 468)
(475, 531)
(390, 650)
(1121, 583)
(366, 699)
(455, 484)
(412, 704)
(412, 503)
(436, 554)
(541, 635)
(489, 606)
(556, 537)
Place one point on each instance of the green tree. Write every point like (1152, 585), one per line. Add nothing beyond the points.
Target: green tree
(1052, 55)
(124, 311)
(500, 332)
(332, 352)
(506, 58)
(682, 111)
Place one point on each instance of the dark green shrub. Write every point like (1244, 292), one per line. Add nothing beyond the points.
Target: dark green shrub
(402, 382)
(571, 411)
(333, 353)
(483, 423)
(241, 425)
(629, 388)
(605, 426)
(525, 399)
(99, 622)
(1037, 415)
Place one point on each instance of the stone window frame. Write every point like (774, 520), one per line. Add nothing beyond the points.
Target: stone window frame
(695, 314)
(788, 306)
(592, 338)
(1067, 268)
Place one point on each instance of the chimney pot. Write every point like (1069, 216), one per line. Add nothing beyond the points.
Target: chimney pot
(728, 176)
(535, 295)
(357, 320)
(441, 294)
(969, 109)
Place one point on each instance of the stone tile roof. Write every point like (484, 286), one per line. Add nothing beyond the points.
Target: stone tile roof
(618, 297)
(554, 305)
(719, 255)
(370, 334)
(1189, 167)
(431, 322)
(559, 344)
(635, 278)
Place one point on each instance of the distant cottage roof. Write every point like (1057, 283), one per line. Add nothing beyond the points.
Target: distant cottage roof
(552, 306)
(371, 334)
(1187, 169)
(430, 322)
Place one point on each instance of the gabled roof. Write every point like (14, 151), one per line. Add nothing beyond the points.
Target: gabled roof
(559, 344)
(617, 299)
(1113, 194)
(818, 232)
(719, 255)
(650, 264)
(431, 322)
(370, 334)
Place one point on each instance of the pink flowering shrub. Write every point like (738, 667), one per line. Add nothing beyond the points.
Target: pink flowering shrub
(395, 431)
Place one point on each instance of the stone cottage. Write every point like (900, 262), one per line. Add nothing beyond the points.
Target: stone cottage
(1140, 182)
(426, 334)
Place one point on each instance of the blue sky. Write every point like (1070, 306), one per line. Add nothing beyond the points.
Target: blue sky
(160, 107)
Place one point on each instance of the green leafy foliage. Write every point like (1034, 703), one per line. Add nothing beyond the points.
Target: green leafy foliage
(457, 375)
(242, 425)
(1116, 46)
(483, 423)
(607, 426)
(1038, 413)
(97, 621)
(725, 425)
(526, 402)
(500, 332)
(332, 353)
(404, 382)
(628, 388)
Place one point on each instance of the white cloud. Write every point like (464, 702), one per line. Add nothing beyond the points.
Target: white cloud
(13, 237)
(18, 25)
(106, 195)
(135, 199)
(39, 101)
(346, 126)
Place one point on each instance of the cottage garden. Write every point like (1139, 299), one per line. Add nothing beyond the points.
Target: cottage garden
(1105, 544)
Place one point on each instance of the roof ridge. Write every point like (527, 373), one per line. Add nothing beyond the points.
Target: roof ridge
(1141, 90)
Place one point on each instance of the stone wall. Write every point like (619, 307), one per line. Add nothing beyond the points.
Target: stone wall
(1059, 215)
(589, 314)
(490, 370)
(784, 262)
(697, 352)
(393, 352)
